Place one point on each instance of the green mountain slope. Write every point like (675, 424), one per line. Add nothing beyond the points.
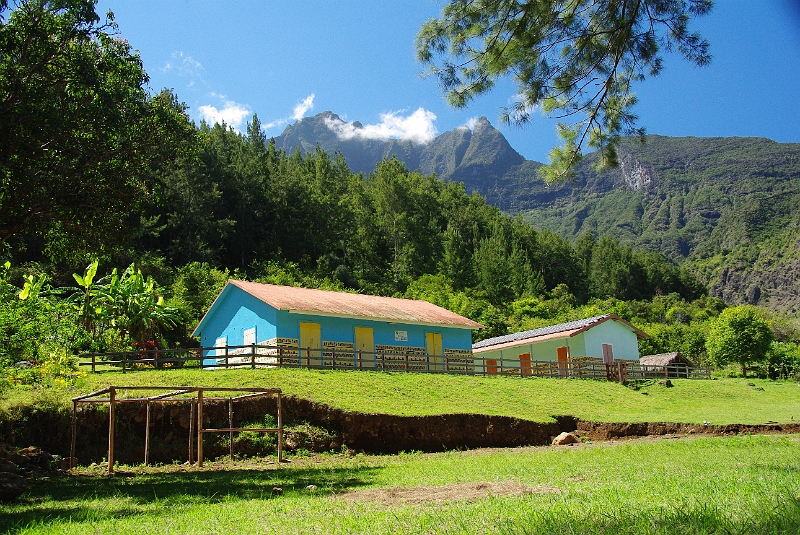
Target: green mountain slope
(727, 206)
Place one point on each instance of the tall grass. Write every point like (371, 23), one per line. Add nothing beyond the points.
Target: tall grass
(734, 485)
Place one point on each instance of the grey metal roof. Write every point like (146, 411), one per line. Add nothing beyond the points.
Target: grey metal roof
(552, 329)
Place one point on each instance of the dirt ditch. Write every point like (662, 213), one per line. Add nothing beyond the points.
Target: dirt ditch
(316, 427)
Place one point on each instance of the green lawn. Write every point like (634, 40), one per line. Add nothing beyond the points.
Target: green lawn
(720, 401)
(747, 485)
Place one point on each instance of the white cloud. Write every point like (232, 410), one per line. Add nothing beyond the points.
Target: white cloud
(417, 127)
(232, 114)
(298, 113)
(302, 107)
(273, 124)
(471, 123)
(183, 66)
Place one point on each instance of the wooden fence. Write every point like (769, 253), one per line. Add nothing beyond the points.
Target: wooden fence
(268, 356)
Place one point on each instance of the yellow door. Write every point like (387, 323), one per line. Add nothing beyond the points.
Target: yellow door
(365, 347)
(433, 347)
(310, 344)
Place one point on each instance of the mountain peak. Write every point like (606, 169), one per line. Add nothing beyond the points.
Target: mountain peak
(482, 124)
(476, 157)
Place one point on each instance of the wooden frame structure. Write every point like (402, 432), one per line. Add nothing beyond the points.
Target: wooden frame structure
(195, 396)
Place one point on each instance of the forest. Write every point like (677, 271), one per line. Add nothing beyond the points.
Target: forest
(121, 220)
(235, 207)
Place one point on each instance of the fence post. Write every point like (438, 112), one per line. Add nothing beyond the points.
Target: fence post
(147, 435)
(124, 361)
(94, 361)
(74, 431)
(252, 366)
(192, 407)
(230, 425)
(280, 427)
(200, 427)
(111, 419)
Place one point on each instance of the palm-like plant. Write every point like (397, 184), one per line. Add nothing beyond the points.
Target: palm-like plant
(129, 301)
(134, 303)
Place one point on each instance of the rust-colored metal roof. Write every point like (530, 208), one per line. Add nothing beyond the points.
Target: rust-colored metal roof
(326, 302)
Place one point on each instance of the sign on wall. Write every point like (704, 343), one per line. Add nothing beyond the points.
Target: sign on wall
(401, 336)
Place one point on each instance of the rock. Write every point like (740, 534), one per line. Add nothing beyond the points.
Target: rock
(8, 466)
(566, 438)
(11, 486)
(184, 420)
(64, 463)
(17, 459)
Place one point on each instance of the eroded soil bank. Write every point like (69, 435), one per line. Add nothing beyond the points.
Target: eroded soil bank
(315, 427)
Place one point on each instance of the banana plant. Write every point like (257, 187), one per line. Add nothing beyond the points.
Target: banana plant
(88, 290)
(132, 303)
(32, 286)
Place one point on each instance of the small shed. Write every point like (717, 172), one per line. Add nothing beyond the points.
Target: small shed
(666, 364)
(337, 329)
(600, 338)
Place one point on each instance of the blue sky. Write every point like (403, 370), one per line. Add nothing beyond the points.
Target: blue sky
(287, 59)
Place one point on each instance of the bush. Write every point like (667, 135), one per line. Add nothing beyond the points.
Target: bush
(57, 366)
(783, 361)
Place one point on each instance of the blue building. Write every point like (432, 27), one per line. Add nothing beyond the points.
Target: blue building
(301, 326)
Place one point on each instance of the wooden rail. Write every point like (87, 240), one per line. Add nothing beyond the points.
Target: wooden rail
(267, 356)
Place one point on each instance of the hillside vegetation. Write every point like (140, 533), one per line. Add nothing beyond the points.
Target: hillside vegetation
(243, 208)
(138, 261)
(724, 207)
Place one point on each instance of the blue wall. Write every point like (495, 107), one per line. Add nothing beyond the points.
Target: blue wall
(232, 313)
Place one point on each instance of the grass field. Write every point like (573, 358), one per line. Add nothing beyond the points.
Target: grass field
(739, 485)
(720, 401)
